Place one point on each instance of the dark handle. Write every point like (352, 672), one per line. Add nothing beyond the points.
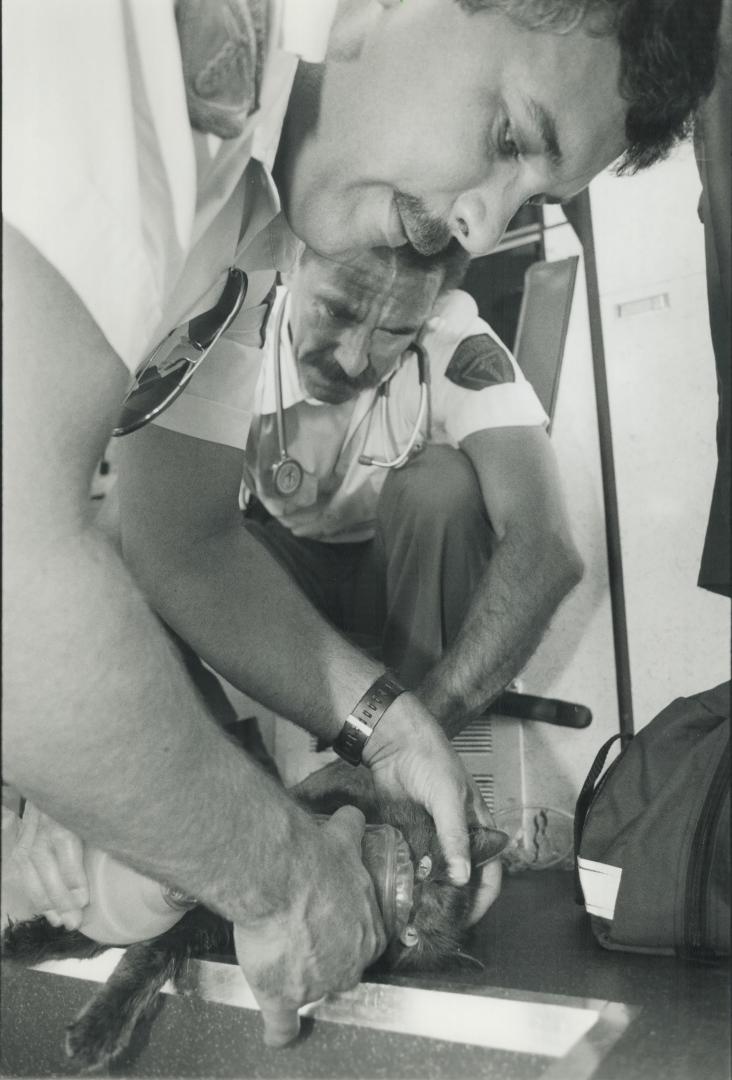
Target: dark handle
(549, 710)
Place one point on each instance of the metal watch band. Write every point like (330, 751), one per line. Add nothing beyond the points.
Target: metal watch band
(364, 717)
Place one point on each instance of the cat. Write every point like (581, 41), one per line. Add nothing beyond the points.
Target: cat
(121, 1009)
(441, 912)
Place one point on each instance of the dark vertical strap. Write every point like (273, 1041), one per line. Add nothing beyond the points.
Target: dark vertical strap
(583, 805)
(579, 215)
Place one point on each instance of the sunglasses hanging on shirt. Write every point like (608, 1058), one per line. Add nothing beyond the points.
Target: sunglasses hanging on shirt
(168, 370)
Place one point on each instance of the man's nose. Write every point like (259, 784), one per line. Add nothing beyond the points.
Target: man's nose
(352, 351)
(479, 218)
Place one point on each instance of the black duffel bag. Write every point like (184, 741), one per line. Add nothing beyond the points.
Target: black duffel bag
(652, 834)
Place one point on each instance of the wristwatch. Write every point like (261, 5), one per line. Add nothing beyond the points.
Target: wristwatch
(364, 717)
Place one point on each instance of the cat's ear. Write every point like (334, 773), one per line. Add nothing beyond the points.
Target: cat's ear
(486, 844)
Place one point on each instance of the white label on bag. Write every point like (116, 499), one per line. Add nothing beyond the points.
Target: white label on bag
(600, 883)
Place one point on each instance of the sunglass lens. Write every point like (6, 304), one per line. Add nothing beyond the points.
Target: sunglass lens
(203, 329)
(165, 373)
(150, 393)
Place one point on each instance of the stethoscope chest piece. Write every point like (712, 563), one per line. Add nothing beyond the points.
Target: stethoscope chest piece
(287, 475)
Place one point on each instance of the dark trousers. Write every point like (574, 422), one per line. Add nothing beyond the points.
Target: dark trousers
(403, 595)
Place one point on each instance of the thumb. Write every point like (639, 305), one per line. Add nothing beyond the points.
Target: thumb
(349, 822)
(452, 832)
(281, 1024)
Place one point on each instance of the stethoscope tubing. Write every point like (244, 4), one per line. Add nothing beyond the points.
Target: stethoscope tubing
(403, 458)
(281, 437)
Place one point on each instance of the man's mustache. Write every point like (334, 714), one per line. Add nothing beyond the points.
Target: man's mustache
(321, 360)
(428, 235)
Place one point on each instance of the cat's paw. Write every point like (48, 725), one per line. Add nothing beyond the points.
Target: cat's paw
(89, 1045)
(98, 1036)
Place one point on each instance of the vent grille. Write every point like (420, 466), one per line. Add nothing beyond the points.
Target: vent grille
(485, 782)
(476, 738)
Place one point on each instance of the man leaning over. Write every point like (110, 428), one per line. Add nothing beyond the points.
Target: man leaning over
(138, 168)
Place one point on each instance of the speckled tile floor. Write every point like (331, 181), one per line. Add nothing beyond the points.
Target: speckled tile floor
(533, 941)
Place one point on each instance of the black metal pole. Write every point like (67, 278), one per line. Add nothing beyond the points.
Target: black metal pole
(579, 215)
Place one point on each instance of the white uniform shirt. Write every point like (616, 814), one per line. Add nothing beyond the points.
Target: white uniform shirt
(473, 383)
(103, 174)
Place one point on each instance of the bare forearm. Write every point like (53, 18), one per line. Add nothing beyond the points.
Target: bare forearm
(521, 588)
(226, 595)
(104, 732)
(244, 615)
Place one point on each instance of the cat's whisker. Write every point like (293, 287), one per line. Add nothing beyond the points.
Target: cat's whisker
(472, 959)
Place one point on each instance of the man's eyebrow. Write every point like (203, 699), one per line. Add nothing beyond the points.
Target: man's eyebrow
(547, 128)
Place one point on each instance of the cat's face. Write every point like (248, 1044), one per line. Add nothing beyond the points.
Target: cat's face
(441, 912)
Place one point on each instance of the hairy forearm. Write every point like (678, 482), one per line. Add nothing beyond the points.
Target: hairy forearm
(240, 611)
(104, 732)
(525, 581)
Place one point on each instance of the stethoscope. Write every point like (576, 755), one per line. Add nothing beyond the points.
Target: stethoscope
(287, 472)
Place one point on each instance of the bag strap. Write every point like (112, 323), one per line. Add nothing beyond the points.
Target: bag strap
(583, 805)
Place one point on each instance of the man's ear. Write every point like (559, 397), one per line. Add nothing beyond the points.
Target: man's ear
(350, 26)
(486, 844)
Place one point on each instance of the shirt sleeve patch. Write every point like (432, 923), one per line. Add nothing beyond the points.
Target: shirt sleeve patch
(478, 362)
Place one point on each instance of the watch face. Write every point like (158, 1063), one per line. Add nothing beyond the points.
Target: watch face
(287, 477)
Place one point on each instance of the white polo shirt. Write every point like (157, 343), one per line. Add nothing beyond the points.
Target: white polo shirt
(103, 174)
(473, 384)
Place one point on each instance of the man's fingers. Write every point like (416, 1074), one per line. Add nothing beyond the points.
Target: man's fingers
(57, 896)
(452, 833)
(69, 850)
(50, 863)
(39, 899)
(281, 1022)
(351, 823)
(33, 887)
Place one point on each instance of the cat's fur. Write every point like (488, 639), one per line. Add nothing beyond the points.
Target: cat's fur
(103, 1030)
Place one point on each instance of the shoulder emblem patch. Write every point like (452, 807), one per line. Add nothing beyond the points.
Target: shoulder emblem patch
(222, 52)
(478, 362)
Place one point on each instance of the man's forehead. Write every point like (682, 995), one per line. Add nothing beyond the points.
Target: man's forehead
(566, 95)
(378, 274)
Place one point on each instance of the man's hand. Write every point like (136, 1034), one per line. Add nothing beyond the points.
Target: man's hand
(321, 944)
(47, 862)
(409, 756)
